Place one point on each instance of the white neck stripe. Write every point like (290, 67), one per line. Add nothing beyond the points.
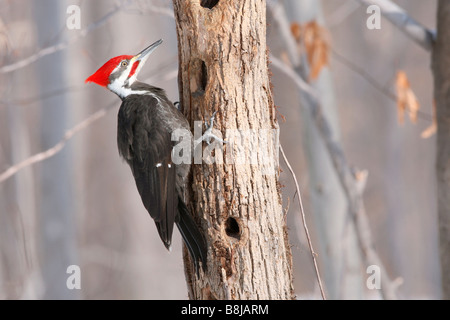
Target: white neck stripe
(124, 92)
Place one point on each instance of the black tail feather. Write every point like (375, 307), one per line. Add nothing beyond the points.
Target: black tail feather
(166, 175)
(191, 236)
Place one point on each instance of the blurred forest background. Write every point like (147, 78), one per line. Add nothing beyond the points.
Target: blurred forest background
(80, 206)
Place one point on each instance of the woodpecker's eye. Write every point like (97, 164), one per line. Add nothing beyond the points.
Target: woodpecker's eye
(124, 63)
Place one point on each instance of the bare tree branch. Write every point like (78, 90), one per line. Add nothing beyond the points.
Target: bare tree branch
(56, 148)
(63, 44)
(400, 18)
(305, 227)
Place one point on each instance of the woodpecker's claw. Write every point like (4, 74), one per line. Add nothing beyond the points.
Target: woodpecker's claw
(208, 135)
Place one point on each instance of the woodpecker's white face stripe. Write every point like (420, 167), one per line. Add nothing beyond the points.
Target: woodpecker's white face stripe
(123, 91)
(121, 85)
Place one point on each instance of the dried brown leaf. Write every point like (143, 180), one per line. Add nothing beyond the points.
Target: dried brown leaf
(296, 30)
(406, 99)
(316, 44)
(314, 39)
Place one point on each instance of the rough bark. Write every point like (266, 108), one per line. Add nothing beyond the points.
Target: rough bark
(223, 67)
(441, 69)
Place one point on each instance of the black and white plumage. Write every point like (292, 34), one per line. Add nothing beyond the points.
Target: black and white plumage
(146, 120)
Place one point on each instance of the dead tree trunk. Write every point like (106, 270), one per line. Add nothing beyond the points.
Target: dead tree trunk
(236, 199)
(441, 68)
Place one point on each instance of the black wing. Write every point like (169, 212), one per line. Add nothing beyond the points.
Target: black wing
(146, 145)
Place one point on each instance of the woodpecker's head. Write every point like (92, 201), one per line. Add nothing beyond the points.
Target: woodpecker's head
(119, 73)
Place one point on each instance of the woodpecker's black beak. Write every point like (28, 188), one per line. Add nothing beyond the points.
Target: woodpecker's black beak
(144, 54)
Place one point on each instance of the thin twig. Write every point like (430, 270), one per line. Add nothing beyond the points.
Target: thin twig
(302, 211)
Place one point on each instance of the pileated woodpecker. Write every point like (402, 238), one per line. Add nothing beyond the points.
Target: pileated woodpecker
(146, 121)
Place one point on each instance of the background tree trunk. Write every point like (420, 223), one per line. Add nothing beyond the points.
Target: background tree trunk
(17, 196)
(223, 67)
(338, 252)
(58, 248)
(441, 68)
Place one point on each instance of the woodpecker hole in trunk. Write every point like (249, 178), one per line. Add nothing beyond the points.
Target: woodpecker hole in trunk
(232, 228)
(199, 76)
(204, 76)
(209, 3)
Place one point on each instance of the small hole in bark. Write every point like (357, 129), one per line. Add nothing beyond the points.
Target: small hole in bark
(208, 3)
(204, 76)
(232, 228)
(198, 76)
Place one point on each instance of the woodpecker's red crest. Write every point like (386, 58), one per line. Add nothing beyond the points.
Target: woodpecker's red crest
(119, 73)
(101, 76)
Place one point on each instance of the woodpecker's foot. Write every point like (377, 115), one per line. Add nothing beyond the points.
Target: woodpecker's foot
(208, 135)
